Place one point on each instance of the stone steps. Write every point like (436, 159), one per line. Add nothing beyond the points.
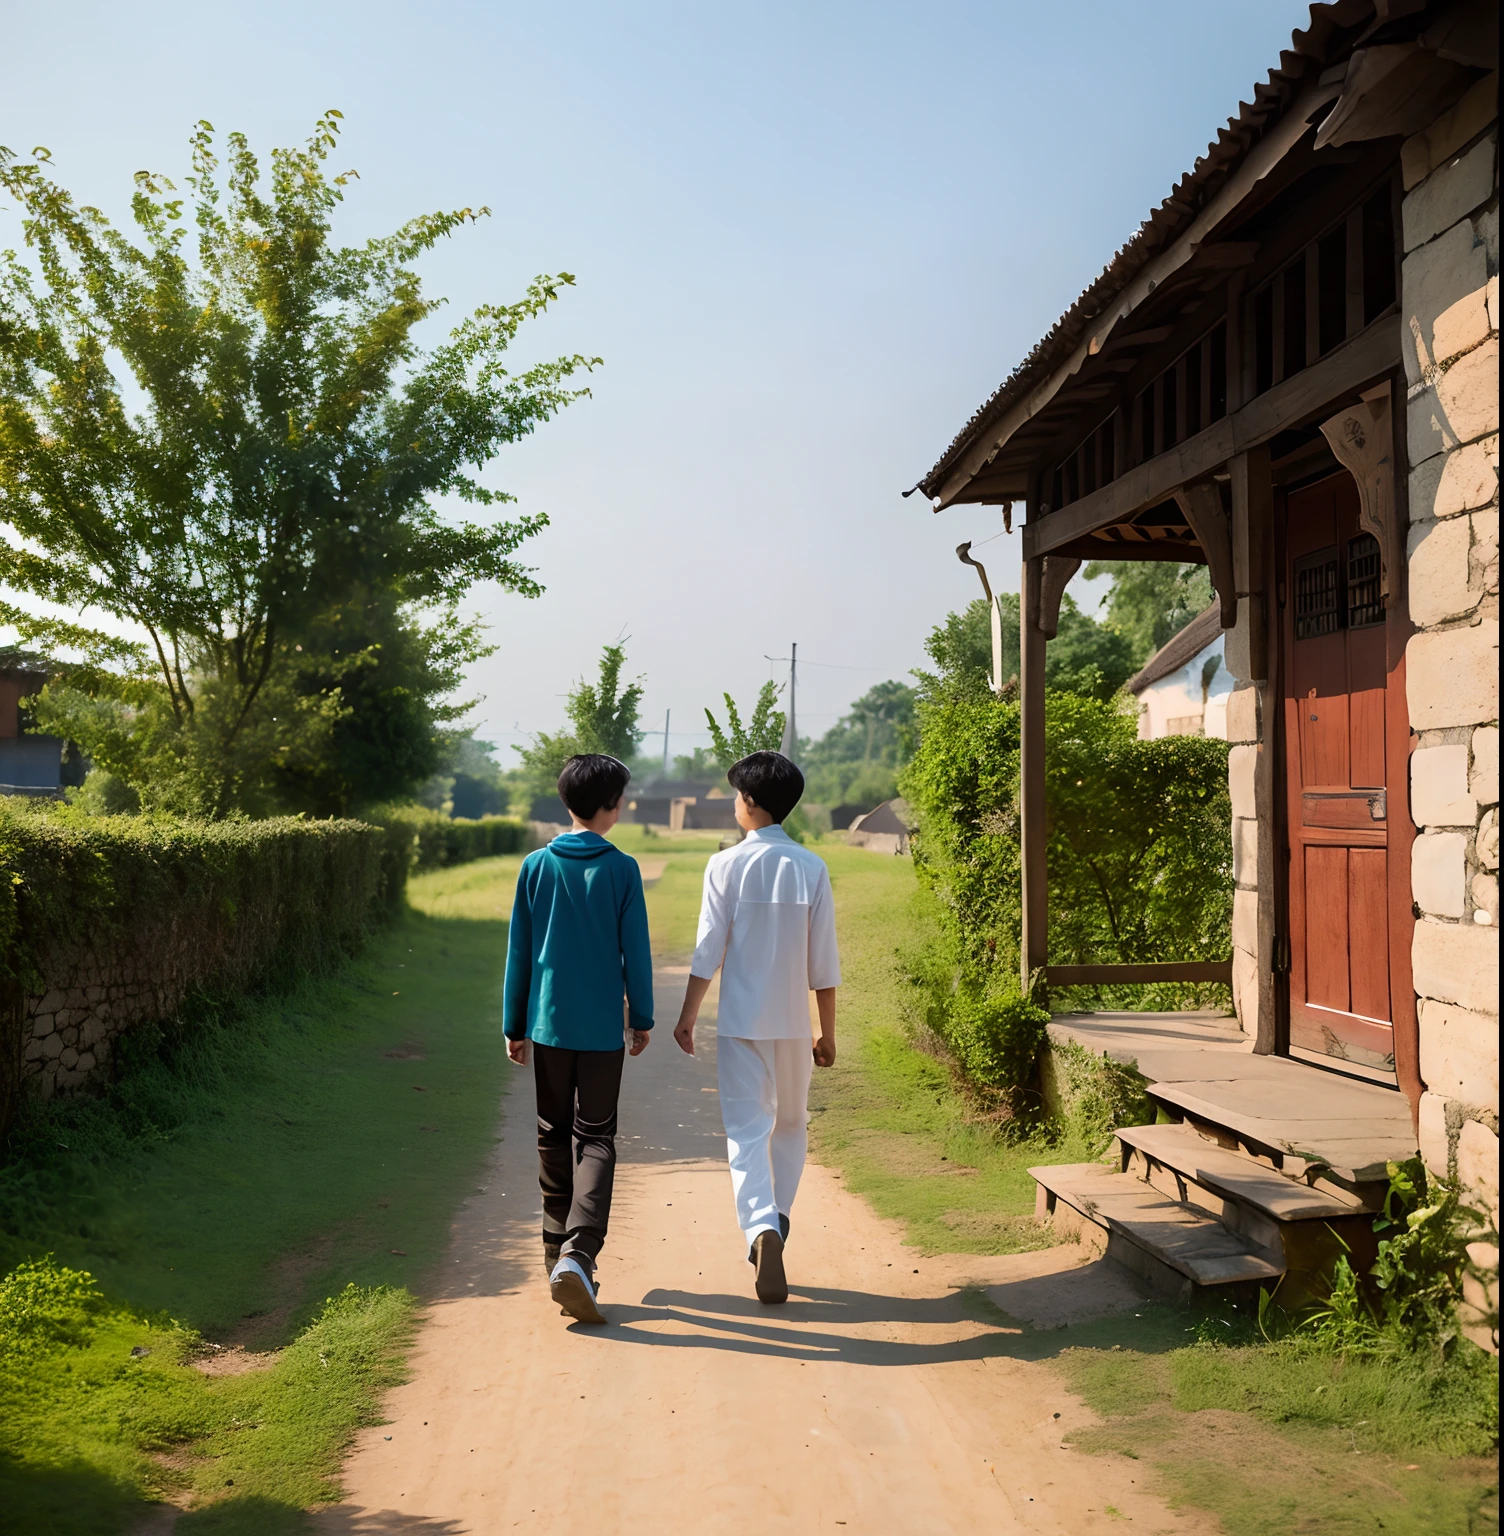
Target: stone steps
(1175, 1247)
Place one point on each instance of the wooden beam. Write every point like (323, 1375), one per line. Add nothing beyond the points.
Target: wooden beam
(1278, 140)
(1032, 827)
(1053, 580)
(1168, 970)
(1202, 505)
(1362, 437)
(1346, 370)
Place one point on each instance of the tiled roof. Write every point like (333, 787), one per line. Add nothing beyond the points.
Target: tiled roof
(1330, 32)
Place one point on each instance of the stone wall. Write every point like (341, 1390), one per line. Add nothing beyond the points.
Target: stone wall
(69, 1031)
(1450, 298)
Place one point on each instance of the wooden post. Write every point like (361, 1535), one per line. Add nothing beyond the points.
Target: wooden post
(1034, 946)
(1247, 652)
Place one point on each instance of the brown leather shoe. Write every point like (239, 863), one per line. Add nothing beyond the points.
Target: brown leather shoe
(767, 1255)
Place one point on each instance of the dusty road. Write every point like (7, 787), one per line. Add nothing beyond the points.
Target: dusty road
(882, 1398)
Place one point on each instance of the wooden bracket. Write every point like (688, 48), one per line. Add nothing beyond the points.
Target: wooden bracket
(1362, 438)
(1056, 572)
(1201, 506)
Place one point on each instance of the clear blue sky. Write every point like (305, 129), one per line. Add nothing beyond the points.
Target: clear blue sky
(809, 238)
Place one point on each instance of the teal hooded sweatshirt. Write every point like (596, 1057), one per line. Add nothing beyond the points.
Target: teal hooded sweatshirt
(578, 943)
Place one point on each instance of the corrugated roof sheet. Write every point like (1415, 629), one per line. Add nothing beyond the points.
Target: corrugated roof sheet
(1331, 28)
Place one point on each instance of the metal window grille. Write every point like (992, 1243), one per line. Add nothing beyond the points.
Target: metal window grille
(1365, 600)
(1318, 605)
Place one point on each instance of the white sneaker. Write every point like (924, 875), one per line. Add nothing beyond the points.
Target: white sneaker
(571, 1286)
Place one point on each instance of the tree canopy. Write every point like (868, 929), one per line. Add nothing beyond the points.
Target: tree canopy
(223, 434)
(857, 760)
(603, 717)
(1150, 600)
(762, 732)
(1085, 656)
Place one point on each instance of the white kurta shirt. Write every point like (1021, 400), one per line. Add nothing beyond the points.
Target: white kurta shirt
(768, 919)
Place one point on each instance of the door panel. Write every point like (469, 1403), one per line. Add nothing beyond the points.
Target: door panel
(1326, 927)
(1338, 798)
(1368, 931)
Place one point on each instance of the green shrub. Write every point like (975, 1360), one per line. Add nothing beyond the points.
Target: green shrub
(187, 902)
(1138, 852)
(43, 1305)
(437, 840)
(996, 1037)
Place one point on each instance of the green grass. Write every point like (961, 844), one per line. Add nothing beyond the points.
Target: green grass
(891, 1117)
(264, 1160)
(1279, 1438)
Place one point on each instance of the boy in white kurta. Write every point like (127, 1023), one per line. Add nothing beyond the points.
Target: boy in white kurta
(768, 922)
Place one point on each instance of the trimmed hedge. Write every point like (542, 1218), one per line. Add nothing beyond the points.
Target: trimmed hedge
(162, 908)
(437, 840)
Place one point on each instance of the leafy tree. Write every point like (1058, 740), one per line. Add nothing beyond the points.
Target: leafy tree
(700, 763)
(1150, 600)
(223, 431)
(961, 651)
(857, 760)
(1084, 657)
(603, 717)
(763, 732)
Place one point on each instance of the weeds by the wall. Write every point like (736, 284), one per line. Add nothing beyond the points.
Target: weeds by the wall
(1411, 1300)
(1089, 1096)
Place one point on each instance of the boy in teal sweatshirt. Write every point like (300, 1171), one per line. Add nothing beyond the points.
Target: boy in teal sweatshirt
(578, 945)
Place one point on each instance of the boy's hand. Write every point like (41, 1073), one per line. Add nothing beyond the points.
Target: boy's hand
(517, 1051)
(694, 996)
(825, 1046)
(641, 1040)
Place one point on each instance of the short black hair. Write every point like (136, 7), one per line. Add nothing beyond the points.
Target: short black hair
(591, 782)
(770, 781)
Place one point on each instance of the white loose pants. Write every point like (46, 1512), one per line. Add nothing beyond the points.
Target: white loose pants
(764, 1087)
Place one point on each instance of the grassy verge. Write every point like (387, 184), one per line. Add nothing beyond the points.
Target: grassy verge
(248, 1168)
(890, 1116)
(1272, 1438)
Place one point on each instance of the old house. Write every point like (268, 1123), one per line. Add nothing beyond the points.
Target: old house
(1183, 688)
(1290, 373)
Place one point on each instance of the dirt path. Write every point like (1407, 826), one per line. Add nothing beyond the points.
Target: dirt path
(882, 1398)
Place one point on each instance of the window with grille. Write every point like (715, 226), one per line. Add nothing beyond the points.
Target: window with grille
(1318, 598)
(1365, 601)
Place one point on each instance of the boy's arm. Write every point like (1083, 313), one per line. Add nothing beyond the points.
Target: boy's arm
(710, 951)
(825, 1046)
(824, 967)
(637, 958)
(519, 973)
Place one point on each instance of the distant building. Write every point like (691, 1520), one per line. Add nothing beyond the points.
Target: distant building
(1184, 686)
(885, 828)
(30, 764)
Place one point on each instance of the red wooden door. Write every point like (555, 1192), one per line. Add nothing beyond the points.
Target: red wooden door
(1339, 801)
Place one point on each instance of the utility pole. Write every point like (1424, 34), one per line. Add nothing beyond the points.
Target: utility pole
(789, 745)
(666, 714)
